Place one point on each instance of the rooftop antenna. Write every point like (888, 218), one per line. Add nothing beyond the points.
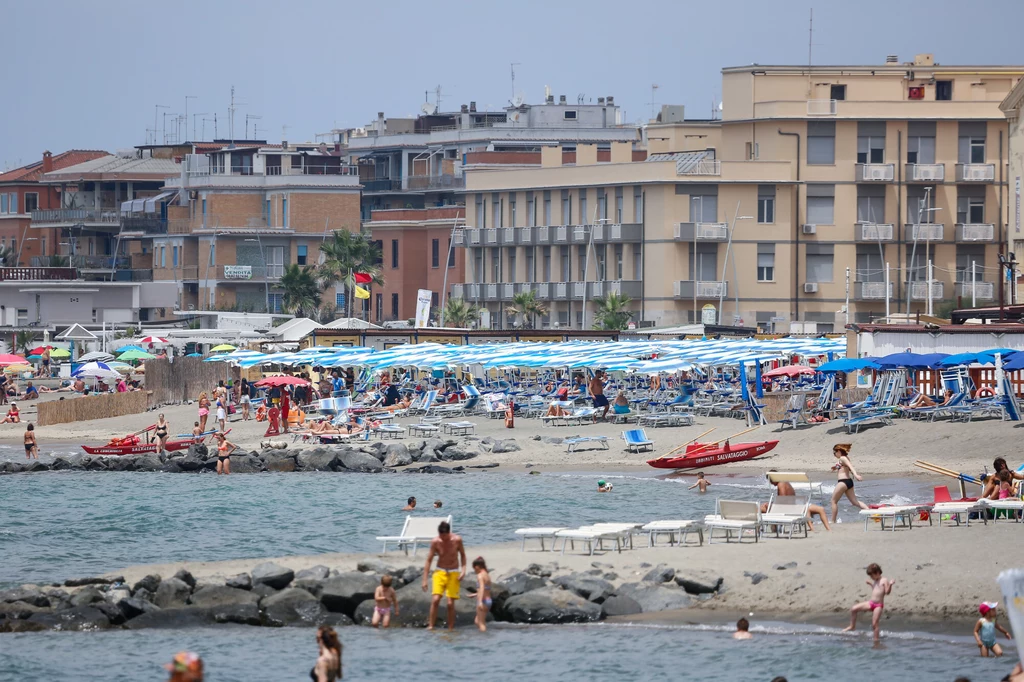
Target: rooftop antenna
(187, 98)
(166, 114)
(654, 89)
(284, 131)
(437, 99)
(156, 115)
(810, 43)
(231, 112)
(513, 66)
(251, 117)
(151, 130)
(194, 117)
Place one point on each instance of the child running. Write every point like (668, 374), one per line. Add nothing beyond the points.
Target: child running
(879, 588)
(384, 599)
(985, 630)
(483, 593)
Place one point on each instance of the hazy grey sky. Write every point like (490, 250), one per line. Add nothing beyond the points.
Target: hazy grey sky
(88, 74)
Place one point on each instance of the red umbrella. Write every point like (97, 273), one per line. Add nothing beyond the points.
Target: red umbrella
(788, 371)
(152, 339)
(39, 350)
(282, 381)
(9, 359)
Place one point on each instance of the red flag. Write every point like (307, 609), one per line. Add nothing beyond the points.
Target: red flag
(363, 278)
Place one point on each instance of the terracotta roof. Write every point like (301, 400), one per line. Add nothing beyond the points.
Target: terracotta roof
(34, 171)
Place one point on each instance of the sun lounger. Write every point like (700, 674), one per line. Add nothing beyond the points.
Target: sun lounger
(540, 534)
(673, 529)
(591, 536)
(637, 441)
(786, 512)
(797, 479)
(734, 516)
(952, 511)
(327, 438)
(423, 429)
(571, 443)
(874, 416)
(904, 514)
(1012, 509)
(388, 431)
(461, 428)
(418, 530)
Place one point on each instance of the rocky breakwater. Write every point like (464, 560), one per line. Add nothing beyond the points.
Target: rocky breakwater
(272, 595)
(431, 456)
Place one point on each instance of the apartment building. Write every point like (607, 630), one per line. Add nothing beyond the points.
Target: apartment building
(1012, 108)
(895, 172)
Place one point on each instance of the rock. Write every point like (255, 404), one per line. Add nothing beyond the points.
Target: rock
(242, 614)
(198, 450)
(492, 465)
(148, 462)
(653, 597)
(246, 464)
(755, 578)
(317, 459)
(27, 595)
(111, 611)
(428, 455)
(314, 587)
(699, 582)
(278, 460)
(457, 453)
(186, 577)
(36, 465)
(551, 605)
(133, 607)
(144, 594)
(376, 449)
(19, 610)
(380, 567)
(660, 574)
(171, 467)
(553, 440)
(414, 609)
(271, 574)
(242, 581)
(149, 582)
(116, 594)
(542, 571)
(291, 606)
(396, 458)
(412, 574)
(17, 625)
(172, 593)
(78, 582)
(430, 469)
(537, 437)
(194, 462)
(591, 589)
(620, 606)
(783, 567)
(344, 593)
(176, 618)
(415, 445)
(611, 575)
(521, 583)
(61, 464)
(434, 444)
(11, 467)
(264, 591)
(97, 464)
(508, 445)
(354, 460)
(74, 619)
(122, 463)
(313, 573)
(86, 596)
(210, 596)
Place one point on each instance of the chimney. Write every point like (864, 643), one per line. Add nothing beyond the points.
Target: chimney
(47, 162)
(892, 59)
(472, 106)
(611, 100)
(464, 109)
(284, 144)
(550, 99)
(600, 100)
(561, 99)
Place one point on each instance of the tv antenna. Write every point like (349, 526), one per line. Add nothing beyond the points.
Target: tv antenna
(654, 89)
(194, 117)
(187, 98)
(231, 114)
(156, 116)
(512, 68)
(251, 117)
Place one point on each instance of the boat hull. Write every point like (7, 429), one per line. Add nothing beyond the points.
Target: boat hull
(140, 449)
(701, 459)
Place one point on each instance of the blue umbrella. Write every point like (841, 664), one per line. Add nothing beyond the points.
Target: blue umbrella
(910, 360)
(125, 349)
(1014, 363)
(849, 365)
(194, 355)
(984, 357)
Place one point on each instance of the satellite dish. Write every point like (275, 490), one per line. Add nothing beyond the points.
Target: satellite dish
(517, 101)
(427, 108)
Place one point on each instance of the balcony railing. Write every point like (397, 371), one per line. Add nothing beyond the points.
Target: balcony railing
(925, 232)
(876, 172)
(101, 262)
(560, 233)
(438, 182)
(490, 235)
(981, 291)
(975, 232)
(133, 276)
(622, 287)
(874, 232)
(524, 235)
(687, 288)
(701, 167)
(543, 235)
(919, 291)
(715, 232)
(381, 185)
(975, 172)
(561, 290)
(459, 291)
(144, 225)
(873, 291)
(506, 290)
(821, 107)
(491, 292)
(36, 274)
(102, 216)
(472, 236)
(508, 235)
(926, 172)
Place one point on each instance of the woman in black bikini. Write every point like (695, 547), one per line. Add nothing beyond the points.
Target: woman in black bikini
(224, 449)
(328, 663)
(847, 474)
(161, 433)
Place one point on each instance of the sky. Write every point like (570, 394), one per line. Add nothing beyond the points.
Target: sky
(87, 75)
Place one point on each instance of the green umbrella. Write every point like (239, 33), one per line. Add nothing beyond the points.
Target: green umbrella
(136, 355)
(59, 353)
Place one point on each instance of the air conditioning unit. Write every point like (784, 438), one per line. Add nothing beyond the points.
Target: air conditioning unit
(876, 173)
(927, 172)
(810, 287)
(810, 229)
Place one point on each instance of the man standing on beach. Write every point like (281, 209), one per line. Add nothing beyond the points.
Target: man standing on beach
(597, 392)
(450, 553)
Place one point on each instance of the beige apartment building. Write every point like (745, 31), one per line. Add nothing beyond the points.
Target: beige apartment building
(1013, 108)
(882, 185)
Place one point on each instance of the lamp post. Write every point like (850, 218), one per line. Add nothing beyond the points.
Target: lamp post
(266, 282)
(1010, 265)
(456, 229)
(725, 266)
(586, 262)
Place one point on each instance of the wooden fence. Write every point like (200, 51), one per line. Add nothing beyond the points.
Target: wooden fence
(185, 378)
(91, 407)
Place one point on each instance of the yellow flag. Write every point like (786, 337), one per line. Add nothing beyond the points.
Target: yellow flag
(361, 292)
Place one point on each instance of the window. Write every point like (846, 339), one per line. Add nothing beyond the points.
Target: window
(14, 245)
(601, 256)
(495, 210)
(339, 300)
(602, 205)
(163, 256)
(380, 307)
(276, 301)
(547, 208)
(584, 215)
(943, 90)
(705, 267)
(618, 261)
(837, 92)
(970, 261)
(394, 253)
(267, 215)
(530, 264)
(638, 261)
(22, 317)
(512, 210)
(3, 203)
(870, 149)
(638, 205)
(820, 204)
(174, 256)
(704, 208)
(870, 267)
(546, 251)
(820, 258)
(300, 254)
(394, 306)
(511, 259)
(481, 215)
(213, 253)
(531, 210)
(204, 212)
(977, 155)
(14, 203)
(284, 213)
(972, 142)
(920, 204)
(433, 299)
(970, 209)
(581, 261)
(821, 142)
(618, 205)
(496, 264)
(478, 266)
(870, 204)
(917, 265)
(569, 115)
(31, 201)
(275, 260)
(435, 252)
(752, 151)
(451, 254)
(566, 208)
(563, 252)
(921, 142)
(766, 204)
(766, 262)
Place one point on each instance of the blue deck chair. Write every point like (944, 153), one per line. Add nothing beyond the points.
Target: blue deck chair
(637, 440)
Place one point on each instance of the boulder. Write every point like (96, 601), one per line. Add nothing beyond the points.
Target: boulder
(61, 464)
(95, 580)
(148, 462)
(415, 445)
(194, 462)
(186, 577)
(19, 610)
(198, 450)
(343, 593)
(171, 467)
(111, 611)
(457, 453)
(590, 588)
(317, 459)
(116, 594)
(27, 595)
(355, 460)
(397, 455)
(377, 449)
(73, 619)
(411, 574)
(242, 581)
(278, 460)
(542, 571)
(291, 606)
(314, 587)
(551, 605)
(272, 575)
(144, 594)
(653, 597)
(210, 596)
(18, 625)
(97, 464)
(86, 596)
(508, 445)
(660, 574)
(122, 463)
(521, 583)
(149, 582)
(553, 440)
(428, 455)
(699, 582)
(172, 593)
(246, 464)
(414, 609)
(755, 578)
(434, 444)
(620, 606)
(242, 614)
(36, 465)
(11, 467)
(313, 573)
(133, 607)
(430, 469)
(380, 567)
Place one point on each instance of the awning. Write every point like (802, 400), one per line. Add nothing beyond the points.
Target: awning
(151, 203)
(136, 206)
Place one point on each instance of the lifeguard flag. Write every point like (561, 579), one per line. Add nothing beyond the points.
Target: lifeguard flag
(363, 278)
(361, 293)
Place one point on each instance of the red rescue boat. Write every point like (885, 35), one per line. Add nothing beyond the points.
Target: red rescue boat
(703, 455)
(132, 444)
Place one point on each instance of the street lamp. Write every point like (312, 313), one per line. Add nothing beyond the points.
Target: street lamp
(266, 282)
(586, 261)
(1011, 274)
(725, 266)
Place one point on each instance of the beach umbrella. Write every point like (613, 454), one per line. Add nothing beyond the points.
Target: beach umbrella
(788, 371)
(34, 357)
(909, 360)
(136, 355)
(125, 349)
(194, 355)
(222, 348)
(1014, 363)
(59, 353)
(282, 381)
(984, 357)
(99, 370)
(14, 369)
(11, 359)
(40, 350)
(849, 365)
(152, 339)
(96, 356)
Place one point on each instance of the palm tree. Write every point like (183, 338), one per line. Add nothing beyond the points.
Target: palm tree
(301, 289)
(459, 313)
(56, 261)
(610, 311)
(8, 258)
(526, 306)
(23, 341)
(345, 254)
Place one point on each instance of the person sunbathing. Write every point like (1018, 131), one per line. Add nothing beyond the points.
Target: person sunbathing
(621, 404)
(402, 404)
(13, 416)
(921, 401)
(556, 410)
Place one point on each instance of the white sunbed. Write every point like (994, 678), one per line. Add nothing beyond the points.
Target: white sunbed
(571, 443)
(416, 531)
(904, 514)
(426, 426)
(1014, 508)
(680, 528)
(954, 510)
(540, 534)
(591, 537)
(797, 479)
(734, 516)
(460, 428)
(787, 511)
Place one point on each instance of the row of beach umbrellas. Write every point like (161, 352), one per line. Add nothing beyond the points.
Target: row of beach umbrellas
(1010, 359)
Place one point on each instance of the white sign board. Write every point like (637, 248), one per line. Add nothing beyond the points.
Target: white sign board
(237, 272)
(423, 298)
(709, 314)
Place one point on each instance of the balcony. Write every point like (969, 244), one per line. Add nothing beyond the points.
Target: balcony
(189, 272)
(876, 172)
(459, 237)
(435, 182)
(623, 287)
(617, 233)
(981, 291)
(821, 107)
(459, 291)
(708, 232)
(133, 276)
(144, 225)
(924, 232)
(377, 185)
(560, 290)
(919, 291)
(543, 235)
(560, 234)
(506, 291)
(926, 172)
(102, 262)
(101, 217)
(872, 291)
(975, 232)
(576, 290)
(507, 235)
(873, 232)
(524, 235)
(34, 274)
(490, 292)
(472, 236)
(580, 233)
(490, 235)
(975, 172)
(687, 288)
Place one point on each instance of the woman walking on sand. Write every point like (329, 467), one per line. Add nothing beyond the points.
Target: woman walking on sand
(328, 663)
(204, 410)
(847, 474)
(31, 444)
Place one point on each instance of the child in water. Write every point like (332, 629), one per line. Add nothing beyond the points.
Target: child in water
(701, 483)
(384, 598)
(603, 486)
(879, 588)
(985, 630)
(483, 593)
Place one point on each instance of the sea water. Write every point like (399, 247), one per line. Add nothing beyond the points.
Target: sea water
(603, 651)
(56, 525)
